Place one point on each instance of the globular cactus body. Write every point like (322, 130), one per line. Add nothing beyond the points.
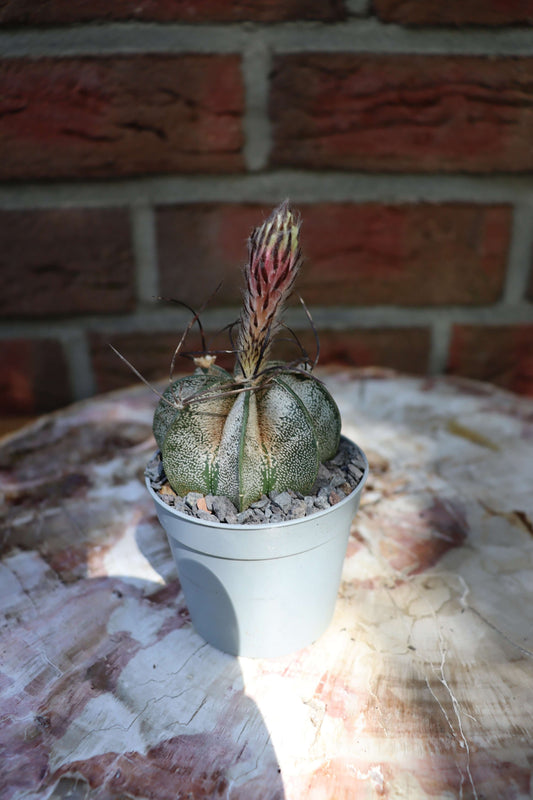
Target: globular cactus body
(267, 427)
(248, 444)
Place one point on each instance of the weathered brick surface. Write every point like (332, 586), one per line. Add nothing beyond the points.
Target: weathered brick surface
(355, 254)
(405, 349)
(33, 376)
(89, 117)
(455, 12)
(151, 353)
(402, 112)
(495, 353)
(405, 254)
(201, 245)
(65, 261)
(65, 11)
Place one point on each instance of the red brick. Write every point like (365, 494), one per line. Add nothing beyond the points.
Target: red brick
(405, 254)
(64, 11)
(33, 376)
(65, 261)
(201, 245)
(455, 12)
(499, 354)
(355, 254)
(397, 112)
(90, 117)
(404, 349)
(150, 353)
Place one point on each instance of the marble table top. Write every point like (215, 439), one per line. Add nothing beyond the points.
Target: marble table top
(422, 687)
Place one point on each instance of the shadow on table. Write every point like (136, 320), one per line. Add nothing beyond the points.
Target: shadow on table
(124, 699)
(140, 705)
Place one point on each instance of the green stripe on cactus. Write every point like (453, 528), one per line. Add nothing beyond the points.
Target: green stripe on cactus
(231, 450)
(253, 467)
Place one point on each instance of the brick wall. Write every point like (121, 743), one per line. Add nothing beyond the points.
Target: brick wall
(142, 140)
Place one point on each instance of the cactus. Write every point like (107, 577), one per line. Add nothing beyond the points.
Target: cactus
(268, 426)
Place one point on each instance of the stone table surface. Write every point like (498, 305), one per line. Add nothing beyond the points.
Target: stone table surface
(421, 688)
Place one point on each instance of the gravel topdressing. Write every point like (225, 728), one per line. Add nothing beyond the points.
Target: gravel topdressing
(336, 479)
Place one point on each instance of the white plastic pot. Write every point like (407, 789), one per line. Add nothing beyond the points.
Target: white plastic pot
(261, 590)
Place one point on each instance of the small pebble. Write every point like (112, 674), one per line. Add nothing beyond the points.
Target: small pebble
(283, 500)
(322, 502)
(181, 505)
(156, 473)
(264, 501)
(322, 479)
(298, 509)
(201, 504)
(247, 517)
(309, 504)
(191, 498)
(339, 459)
(338, 478)
(334, 498)
(224, 510)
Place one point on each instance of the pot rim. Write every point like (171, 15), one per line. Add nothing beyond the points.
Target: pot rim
(258, 526)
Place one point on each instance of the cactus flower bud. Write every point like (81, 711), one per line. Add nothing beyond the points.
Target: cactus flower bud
(273, 263)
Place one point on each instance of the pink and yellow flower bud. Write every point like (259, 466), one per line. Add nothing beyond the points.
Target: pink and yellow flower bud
(273, 263)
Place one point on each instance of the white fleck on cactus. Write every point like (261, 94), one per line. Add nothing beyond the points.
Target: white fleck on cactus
(268, 426)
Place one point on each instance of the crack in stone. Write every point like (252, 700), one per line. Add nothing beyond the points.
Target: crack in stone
(139, 127)
(467, 607)
(176, 672)
(463, 741)
(378, 706)
(493, 627)
(88, 137)
(68, 756)
(253, 769)
(461, 738)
